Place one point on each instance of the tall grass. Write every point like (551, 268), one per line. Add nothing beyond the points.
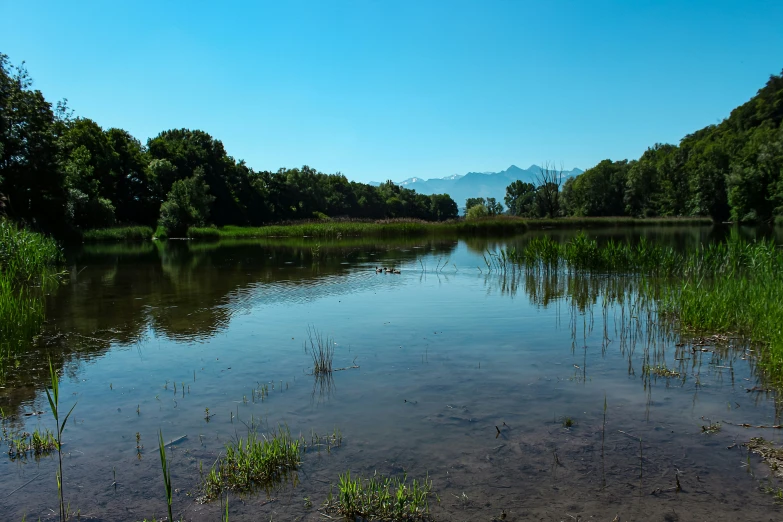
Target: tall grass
(28, 268)
(321, 349)
(133, 233)
(735, 287)
(384, 228)
(489, 226)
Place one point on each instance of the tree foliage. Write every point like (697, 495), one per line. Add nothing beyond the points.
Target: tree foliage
(733, 170)
(60, 173)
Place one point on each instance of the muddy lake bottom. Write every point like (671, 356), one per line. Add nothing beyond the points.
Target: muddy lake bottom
(463, 375)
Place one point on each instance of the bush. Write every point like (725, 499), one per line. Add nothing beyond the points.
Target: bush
(477, 212)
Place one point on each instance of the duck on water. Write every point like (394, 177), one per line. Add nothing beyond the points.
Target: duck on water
(387, 270)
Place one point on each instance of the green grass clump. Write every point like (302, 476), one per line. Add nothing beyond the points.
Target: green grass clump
(380, 498)
(26, 257)
(253, 462)
(37, 444)
(135, 233)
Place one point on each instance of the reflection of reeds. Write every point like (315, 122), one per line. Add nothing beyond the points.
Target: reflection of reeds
(735, 287)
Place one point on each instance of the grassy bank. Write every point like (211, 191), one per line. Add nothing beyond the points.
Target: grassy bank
(117, 234)
(733, 288)
(491, 226)
(387, 228)
(28, 263)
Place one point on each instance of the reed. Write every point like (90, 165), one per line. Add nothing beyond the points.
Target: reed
(166, 472)
(355, 228)
(132, 233)
(734, 287)
(490, 226)
(321, 349)
(54, 403)
(28, 269)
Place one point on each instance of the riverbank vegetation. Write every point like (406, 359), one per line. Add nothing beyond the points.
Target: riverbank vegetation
(66, 175)
(28, 268)
(131, 233)
(733, 288)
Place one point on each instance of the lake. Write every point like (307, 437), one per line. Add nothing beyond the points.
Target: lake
(493, 383)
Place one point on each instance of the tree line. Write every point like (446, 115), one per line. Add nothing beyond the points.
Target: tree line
(61, 173)
(729, 171)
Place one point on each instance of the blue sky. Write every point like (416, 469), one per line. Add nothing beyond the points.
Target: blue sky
(388, 90)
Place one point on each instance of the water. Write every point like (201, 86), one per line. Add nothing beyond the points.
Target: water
(464, 375)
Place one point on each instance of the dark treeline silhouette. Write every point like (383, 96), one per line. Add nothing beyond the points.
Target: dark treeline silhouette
(733, 170)
(59, 173)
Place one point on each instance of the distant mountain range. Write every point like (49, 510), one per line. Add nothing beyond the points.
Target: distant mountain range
(477, 184)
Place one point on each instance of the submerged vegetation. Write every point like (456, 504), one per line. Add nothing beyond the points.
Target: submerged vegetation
(380, 498)
(253, 462)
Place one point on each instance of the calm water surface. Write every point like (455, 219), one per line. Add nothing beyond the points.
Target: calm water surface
(463, 374)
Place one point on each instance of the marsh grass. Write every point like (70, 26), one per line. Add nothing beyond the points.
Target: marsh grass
(490, 226)
(253, 462)
(380, 498)
(733, 288)
(164, 464)
(28, 269)
(321, 349)
(36, 444)
(355, 228)
(133, 233)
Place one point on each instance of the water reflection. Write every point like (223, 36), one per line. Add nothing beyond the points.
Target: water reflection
(466, 374)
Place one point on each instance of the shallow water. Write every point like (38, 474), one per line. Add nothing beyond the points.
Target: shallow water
(463, 374)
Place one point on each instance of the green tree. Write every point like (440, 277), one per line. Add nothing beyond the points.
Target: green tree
(520, 198)
(443, 207)
(186, 205)
(472, 202)
(31, 182)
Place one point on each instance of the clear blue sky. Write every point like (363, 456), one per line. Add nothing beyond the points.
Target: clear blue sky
(392, 89)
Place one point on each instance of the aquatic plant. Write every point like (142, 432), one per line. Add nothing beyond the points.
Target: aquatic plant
(28, 269)
(253, 462)
(380, 498)
(734, 287)
(321, 349)
(166, 472)
(54, 403)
